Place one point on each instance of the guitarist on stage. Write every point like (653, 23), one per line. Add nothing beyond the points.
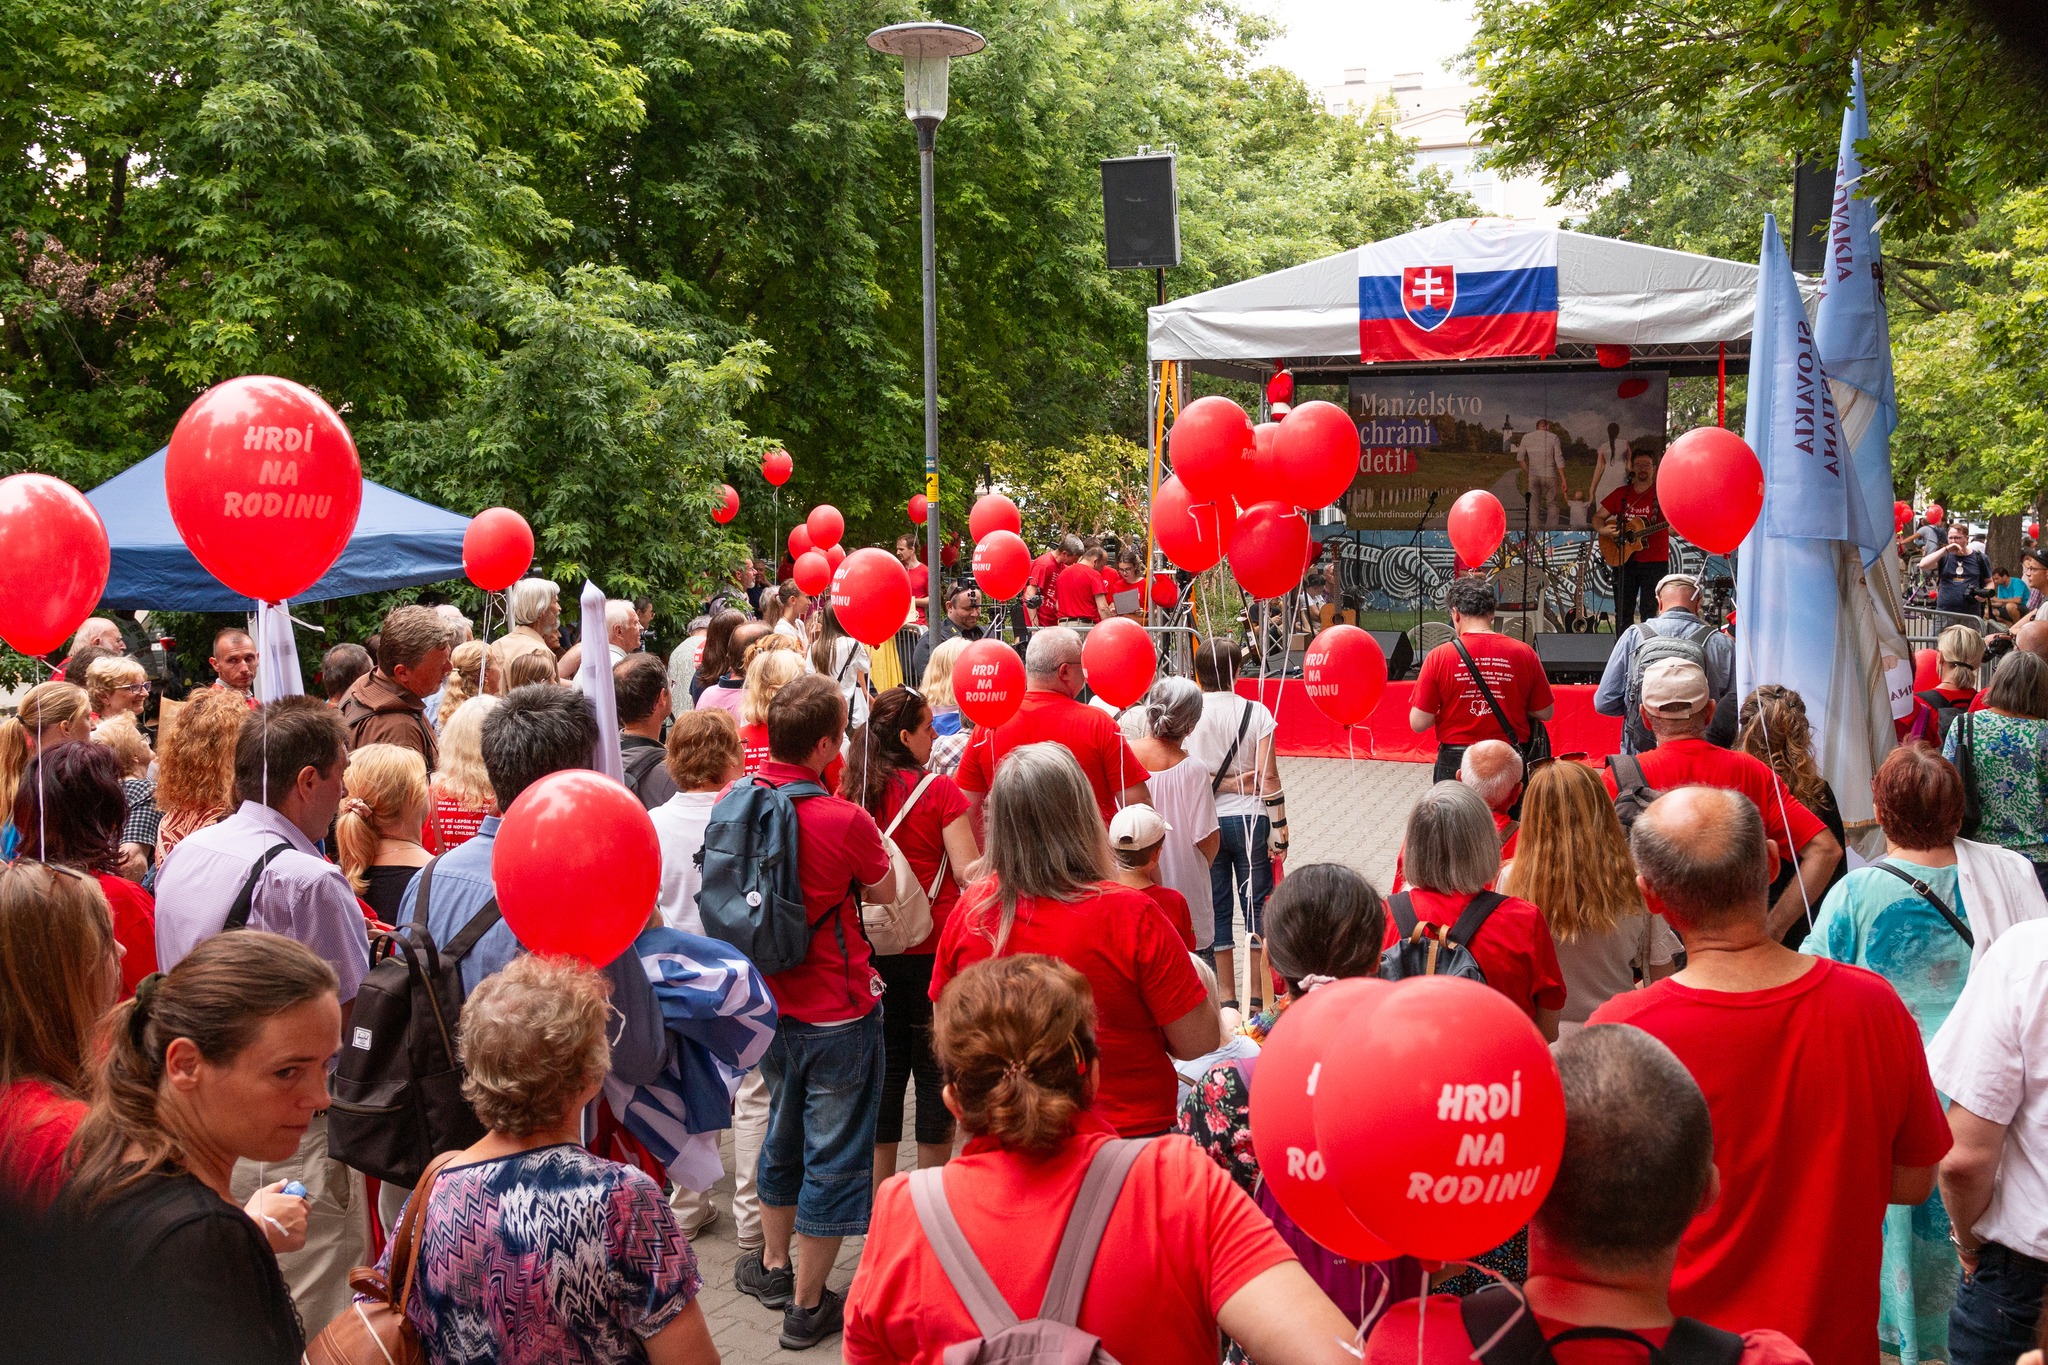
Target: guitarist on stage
(1635, 580)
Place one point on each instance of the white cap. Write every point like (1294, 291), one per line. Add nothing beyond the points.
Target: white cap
(1137, 827)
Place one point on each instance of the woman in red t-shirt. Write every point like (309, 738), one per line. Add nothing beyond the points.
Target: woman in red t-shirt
(460, 796)
(1049, 892)
(79, 825)
(1184, 1252)
(59, 972)
(884, 771)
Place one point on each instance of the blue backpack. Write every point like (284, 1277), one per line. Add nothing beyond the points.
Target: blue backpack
(749, 895)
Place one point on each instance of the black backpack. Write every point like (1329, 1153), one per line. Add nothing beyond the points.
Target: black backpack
(1487, 1312)
(1419, 952)
(1946, 713)
(1632, 793)
(749, 894)
(639, 761)
(397, 1087)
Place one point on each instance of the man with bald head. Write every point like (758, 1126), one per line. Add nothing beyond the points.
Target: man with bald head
(1815, 1078)
(1052, 674)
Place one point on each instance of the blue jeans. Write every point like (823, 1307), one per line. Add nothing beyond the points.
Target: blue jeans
(825, 1091)
(1996, 1308)
(1242, 873)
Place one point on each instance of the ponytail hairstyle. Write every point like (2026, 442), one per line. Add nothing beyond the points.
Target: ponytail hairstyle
(50, 706)
(57, 973)
(875, 752)
(1015, 1037)
(465, 678)
(830, 633)
(385, 785)
(219, 996)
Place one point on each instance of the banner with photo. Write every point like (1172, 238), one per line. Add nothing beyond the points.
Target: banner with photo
(1548, 445)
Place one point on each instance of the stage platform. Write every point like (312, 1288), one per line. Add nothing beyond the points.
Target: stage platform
(1305, 732)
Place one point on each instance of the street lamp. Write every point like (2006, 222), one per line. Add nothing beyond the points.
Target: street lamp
(927, 51)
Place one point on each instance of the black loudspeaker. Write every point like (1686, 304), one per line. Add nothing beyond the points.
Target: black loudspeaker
(1141, 212)
(1813, 210)
(1566, 657)
(1400, 653)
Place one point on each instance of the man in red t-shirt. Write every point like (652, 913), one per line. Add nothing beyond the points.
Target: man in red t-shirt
(824, 1069)
(1638, 1163)
(1080, 592)
(1815, 1077)
(1052, 673)
(1635, 582)
(1039, 589)
(1677, 706)
(1446, 696)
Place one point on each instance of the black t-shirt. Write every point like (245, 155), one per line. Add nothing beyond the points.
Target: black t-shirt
(385, 891)
(199, 1274)
(1959, 575)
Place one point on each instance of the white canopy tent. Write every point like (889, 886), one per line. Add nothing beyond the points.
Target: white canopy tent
(1675, 310)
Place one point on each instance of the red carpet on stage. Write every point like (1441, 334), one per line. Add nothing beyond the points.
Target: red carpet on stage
(1305, 732)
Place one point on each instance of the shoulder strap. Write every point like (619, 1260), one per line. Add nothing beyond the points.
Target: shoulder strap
(403, 1261)
(1244, 725)
(1496, 1318)
(1071, 1267)
(1403, 911)
(1955, 921)
(908, 802)
(1473, 917)
(985, 1303)
(1500, 717)
(466, 938)
(1628, 774)
(1693, 1342)
(245, 899)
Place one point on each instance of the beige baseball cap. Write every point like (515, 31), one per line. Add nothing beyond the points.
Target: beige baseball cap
(1674, 687)
(1137, 827)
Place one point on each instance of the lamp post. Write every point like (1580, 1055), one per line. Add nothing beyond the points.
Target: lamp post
(927, 51)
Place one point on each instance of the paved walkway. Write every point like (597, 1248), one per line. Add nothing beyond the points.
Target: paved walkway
(1338, 811)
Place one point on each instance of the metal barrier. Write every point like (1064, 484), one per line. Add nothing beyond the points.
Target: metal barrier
(1924, 625)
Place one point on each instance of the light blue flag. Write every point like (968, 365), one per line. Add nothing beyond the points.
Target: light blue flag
(1787, 603)
(1854, 339)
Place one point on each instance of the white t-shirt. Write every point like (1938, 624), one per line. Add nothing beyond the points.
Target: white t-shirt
(1991, 1057)
(683, 663)
(1222, 713)
(849, 664)
(679, 824)
(1598, 968)
(1544, 454)
(1181, 796)
(793, 631)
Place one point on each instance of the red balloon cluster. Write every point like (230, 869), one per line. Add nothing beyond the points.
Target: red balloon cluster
(993, 512)
(776, 467)
(577, 866)
(825, 525)
(1711, 488)
(1345, 674)
(497, 548)
(729, 505)
(1902, 515)
(1002, 564)
(988, 682)
(871, 595)
(54, 561)
(1119, 661)
(1422, 1118)
(917, 508)
(1477, 522)
(812, 571)
(800, 542)
(1193, 535)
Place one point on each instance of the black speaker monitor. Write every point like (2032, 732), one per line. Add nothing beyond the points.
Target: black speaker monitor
(1581, 656)
(1399, 651)
(1141, 212)
(1813, 210)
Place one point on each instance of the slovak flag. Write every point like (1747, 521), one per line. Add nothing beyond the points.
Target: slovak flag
(1459, 290)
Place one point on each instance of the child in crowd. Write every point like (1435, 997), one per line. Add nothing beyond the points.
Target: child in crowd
(1136, 837)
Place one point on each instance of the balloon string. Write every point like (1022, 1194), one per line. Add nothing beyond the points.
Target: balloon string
(42, 826)
(1421, 1319)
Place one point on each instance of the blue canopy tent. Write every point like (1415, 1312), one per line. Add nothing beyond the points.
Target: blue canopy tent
(398, 542)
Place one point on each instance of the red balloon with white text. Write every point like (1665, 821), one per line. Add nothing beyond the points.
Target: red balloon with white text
(54, 561)
(988, 682)
(1002, 564)
(1344, 674)
(577, 867)
(1194, 535)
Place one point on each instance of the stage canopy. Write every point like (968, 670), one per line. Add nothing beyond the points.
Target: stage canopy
(398, 542)
(1515, 294)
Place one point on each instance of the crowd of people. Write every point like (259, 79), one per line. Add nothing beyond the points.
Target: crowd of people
(1806, 1092)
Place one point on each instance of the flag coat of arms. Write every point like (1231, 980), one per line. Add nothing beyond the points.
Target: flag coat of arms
(1461, 290)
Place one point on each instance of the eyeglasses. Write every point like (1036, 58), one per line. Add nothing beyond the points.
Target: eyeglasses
(145, 686)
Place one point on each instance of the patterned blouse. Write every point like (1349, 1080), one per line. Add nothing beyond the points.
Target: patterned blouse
(553, 1256)
(2010, 756)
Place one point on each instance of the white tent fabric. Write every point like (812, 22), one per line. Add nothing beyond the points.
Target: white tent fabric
(1609, 293)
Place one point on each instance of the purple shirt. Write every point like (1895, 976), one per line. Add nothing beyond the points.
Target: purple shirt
(300, 895)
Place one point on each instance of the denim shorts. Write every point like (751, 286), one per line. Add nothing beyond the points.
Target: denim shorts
(825, 1091)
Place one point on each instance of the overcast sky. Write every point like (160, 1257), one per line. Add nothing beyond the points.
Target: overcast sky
(1324, 37)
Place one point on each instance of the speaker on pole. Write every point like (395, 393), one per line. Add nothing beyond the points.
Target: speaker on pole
(1813, 210)
(1141, 211)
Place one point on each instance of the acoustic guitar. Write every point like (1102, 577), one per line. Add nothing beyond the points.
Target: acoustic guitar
(1621, 539)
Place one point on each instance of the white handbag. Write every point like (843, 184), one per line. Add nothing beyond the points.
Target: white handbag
(900, 924)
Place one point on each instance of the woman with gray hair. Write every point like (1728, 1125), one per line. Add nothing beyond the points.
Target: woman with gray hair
(1184, 796)
(535, 606)
(1451, 855)
(1046, 889)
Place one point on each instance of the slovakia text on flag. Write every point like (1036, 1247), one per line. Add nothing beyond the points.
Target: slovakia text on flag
(1474, 287)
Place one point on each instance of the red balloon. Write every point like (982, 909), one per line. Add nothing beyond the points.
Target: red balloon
(729, 507)
(994, 512)
(1935, 512)
(949, 553)
(1262, 470)
(1711, 488)
(54, 562)
(1477, 523)
(1208, 445)
(1902, 516)
(577, 866)
(1194, 535)
(1283, 1115)
(1632, 388)
(825, 525)
(812, 572)
(1269, 548)
(835, 557)
(1280, 388)
(1344, 673)
(1002, 563)
(497, 548)
(1165, 592)
(264, 485)
(871, 595)
(1119, 661)
(1442, 1119)
(917, 508)
(988, 682)
(1611, 357)
(800, 543)
(1318, 447)
(776, 467)
(1926, 669)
